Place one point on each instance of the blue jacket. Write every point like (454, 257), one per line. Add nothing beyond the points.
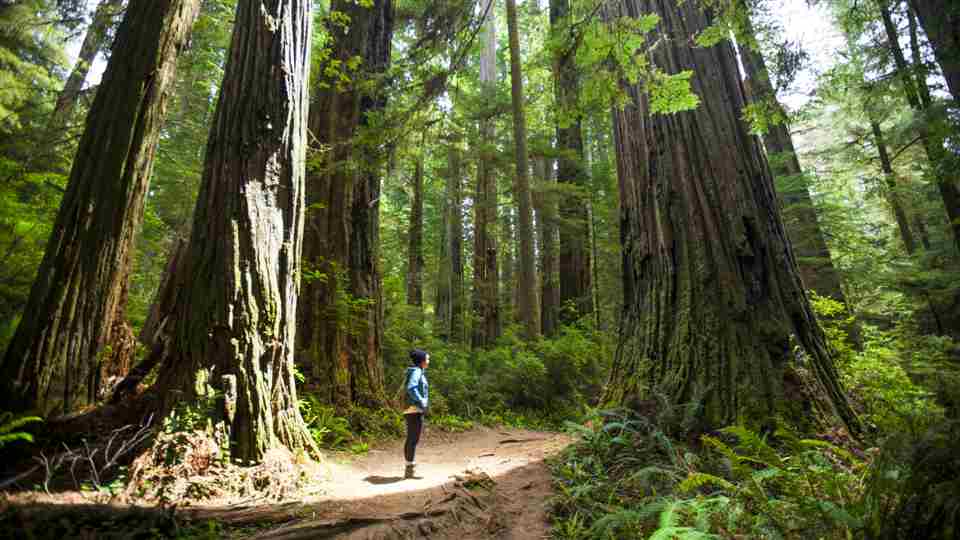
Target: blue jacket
(417, 388)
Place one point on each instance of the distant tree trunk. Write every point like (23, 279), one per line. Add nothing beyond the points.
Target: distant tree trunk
(415, 250)
(712, 292)
(545, 204)
(941, 22)
(234, 322)
(455, 238)
(341, 312)
(442, 297)
(799, 212)
(527, 308)
(893, 191)
(576, 274)
(943, 167)
(486, 301)
(93, 43)
(508, 285)
(52, 361)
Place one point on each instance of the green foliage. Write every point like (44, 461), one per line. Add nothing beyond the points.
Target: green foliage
(9, 424)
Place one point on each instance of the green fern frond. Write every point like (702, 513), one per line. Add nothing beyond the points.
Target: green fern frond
(8, 424)
(681, 533)
(756, 445)
(696, 480)
(816, 443)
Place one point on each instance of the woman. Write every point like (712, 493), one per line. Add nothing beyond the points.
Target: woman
(417, 393)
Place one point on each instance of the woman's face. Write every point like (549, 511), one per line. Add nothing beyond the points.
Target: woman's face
(426, 361)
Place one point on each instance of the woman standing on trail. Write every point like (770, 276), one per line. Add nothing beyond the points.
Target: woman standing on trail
(417, 393)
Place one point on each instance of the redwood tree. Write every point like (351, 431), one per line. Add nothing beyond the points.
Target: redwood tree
(712, 293)
(340, 323)
(234, 319)
(940, 20)
(53, 360)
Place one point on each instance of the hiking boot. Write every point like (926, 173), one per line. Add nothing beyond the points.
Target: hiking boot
(409, 470)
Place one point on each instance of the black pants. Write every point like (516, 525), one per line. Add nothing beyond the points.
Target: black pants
(414, 427)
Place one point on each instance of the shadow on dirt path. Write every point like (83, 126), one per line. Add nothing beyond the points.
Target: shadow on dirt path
(484, 483)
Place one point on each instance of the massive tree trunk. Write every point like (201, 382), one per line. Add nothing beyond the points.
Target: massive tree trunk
(545, 204)
(943, 171)
(712, 293)
(339, 327)
(52, 361)
(799, 214)
(234, 321)
(415, 240)
(455, 240)
(576, 288)
(93, 42)
(486, 302)
(527, 308)
(941, 22)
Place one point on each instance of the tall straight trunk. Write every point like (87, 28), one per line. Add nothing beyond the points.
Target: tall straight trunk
(527, 308)
(415, 245)
(93, 42)
(442, 297)
(799, 213)
(576, 288)
(508, 285)
(235, 317)
(341, 314)
(53, 360)
(943, 171)
(486, 301)
(712, 293)
(455, 239)
(893, 192)
(545, 205)
(940, 20)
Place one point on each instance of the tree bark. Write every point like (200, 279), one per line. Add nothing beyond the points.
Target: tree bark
(415, 249)
(341, 312)
(575, 272)
(940, 20)
(712, 292)
(527, 308)
(455, 240)
(799, 213)
(52, 361)
(545, 204)
(508, 282)
(93, 42)
(234, 322)
(943, 170)
(486, 301)
(893, 194)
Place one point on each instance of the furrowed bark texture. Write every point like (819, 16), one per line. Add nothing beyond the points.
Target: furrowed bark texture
(52, 361)
(711, 287)
(940, 20)
(527, 308)
(545, 204)
(486, 301)
(799, 213)
(576, 288)
(415, 245)
(234, 321)
(340, 327)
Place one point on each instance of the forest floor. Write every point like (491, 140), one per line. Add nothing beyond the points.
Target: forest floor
(477, 484)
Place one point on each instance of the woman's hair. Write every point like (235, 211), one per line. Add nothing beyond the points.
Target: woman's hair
(417, 356)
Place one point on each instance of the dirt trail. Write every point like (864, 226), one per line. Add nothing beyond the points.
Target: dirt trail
(484, 483)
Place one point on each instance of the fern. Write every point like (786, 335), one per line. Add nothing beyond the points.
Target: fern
(8, 424)
(696, 480)
(681, 533)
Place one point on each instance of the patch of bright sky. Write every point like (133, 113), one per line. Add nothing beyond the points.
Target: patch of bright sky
(813, 29)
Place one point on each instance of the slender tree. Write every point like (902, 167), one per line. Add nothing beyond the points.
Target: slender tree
(52, 361)
(527, 308)
(455, 240)
(545, 205)
(415, 240)
(340, 328)
(576, 288)
(486, 302)
(93, 42)
(712, 293)
(893, 192)
(234, 321)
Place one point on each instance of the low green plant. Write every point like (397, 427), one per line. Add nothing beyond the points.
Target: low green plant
(10, 428)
